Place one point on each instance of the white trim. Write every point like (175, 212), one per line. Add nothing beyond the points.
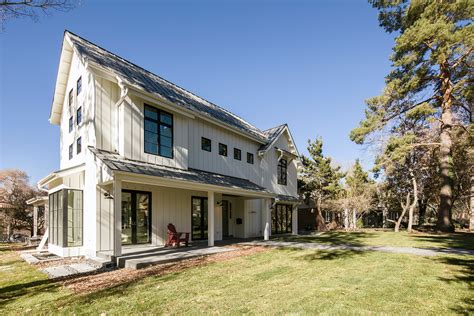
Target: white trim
(59, 174)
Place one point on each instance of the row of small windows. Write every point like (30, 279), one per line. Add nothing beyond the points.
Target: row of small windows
(78, 148)
(206, 145)
(78, 119)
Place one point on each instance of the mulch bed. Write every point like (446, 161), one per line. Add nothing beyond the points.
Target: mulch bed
(95, 282)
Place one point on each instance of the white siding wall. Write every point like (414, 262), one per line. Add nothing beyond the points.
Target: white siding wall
(84, 100)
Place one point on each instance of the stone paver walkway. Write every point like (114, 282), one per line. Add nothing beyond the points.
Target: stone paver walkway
(390, 249)
(69, 269)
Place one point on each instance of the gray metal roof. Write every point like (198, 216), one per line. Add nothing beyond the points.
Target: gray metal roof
(149, 82)
(271, 134)
(118, 163)
(288, 198)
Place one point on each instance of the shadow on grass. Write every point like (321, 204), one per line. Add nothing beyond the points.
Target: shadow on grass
(455, 240)
(319, 254)
(464, 275)
(331, 238)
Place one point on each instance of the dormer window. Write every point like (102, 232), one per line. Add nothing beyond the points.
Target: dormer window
(79, 116)
(79, 85)
(158, 128)
(223, 149)
(282, 171)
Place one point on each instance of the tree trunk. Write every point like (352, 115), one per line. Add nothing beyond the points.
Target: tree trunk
(320, 224)
(354, 219)
(444, 223)
(415, 201)
(346, 219)
(404, 210)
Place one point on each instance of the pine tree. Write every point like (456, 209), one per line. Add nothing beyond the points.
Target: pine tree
(321, 181)
(432, 76)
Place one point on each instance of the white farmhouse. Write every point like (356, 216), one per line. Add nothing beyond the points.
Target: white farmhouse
(138, 152)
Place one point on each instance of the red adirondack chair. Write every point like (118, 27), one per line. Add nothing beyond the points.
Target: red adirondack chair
(175, 237)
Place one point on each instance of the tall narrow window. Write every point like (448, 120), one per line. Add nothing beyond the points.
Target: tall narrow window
(71, 99)
(237, 154)
(79, 145)
(71, 124)
(206, 144)
(158, 132)
(282, 171)
(79, 85)
(70, 151)
(79, 115)
(222, 149)
(250, 158)
(66, 218)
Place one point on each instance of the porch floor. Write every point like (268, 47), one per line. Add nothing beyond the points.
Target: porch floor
(142, 256)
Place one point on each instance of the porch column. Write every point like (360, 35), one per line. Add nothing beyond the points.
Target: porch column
(267, 213)
(294, 220)
(210, 218)
(35, 221)
(117, 242)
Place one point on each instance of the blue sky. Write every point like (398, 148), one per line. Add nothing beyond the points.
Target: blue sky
(310, 64)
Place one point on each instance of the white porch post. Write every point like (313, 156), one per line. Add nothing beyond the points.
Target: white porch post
(267, 211)
(117, 242)
(210, 218)
(294, 220)
(35, 221)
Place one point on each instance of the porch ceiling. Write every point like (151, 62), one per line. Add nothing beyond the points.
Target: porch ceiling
(115, 162)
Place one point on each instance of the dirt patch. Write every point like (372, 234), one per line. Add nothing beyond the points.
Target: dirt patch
(96, 282)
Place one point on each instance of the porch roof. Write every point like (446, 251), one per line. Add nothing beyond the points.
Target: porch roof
(115, 162)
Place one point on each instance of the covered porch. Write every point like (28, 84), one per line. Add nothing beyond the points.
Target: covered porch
(210, 207)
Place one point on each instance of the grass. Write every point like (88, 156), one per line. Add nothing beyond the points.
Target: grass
(273, 282)
(389, 238)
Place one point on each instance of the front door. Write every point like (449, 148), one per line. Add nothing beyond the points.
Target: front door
(199, 218)
(136, 217)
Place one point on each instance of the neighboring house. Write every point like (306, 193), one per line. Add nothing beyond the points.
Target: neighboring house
(138, 152)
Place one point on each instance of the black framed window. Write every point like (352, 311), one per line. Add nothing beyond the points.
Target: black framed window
(79, 145)
(70, 151)
(66, 218)
(158, 128)
(206, 144)
(79, 85)
(250, 158)
(71, 98)
(222, 149)
(71, 124)
(282, 171)
(79, 115)
(237, 154)
(282, 217)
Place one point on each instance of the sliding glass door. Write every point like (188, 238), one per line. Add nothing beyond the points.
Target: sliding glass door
(199, 218)
(281, 219)
(136, 217)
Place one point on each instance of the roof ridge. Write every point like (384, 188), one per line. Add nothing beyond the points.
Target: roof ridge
(165, 80)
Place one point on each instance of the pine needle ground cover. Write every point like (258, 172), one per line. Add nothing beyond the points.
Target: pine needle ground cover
(271, 282)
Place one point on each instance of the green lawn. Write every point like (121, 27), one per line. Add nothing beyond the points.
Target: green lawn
(272, 282)
(389, 238)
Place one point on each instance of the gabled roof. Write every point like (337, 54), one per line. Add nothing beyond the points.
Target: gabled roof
(115, 162)
(140, 78)
(272, 135)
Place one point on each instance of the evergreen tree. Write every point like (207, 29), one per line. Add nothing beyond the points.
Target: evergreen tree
(432, 77)
(321, 181)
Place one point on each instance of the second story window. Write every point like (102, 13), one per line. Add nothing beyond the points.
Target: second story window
(70, 151)
(158, 132)
(250, 158)
(282, 171)
(237, 154)
(71, 124)
(79, 115)
(206, 144)
(79, 85)
(79, 145)
(70, 100)
(223, 149)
